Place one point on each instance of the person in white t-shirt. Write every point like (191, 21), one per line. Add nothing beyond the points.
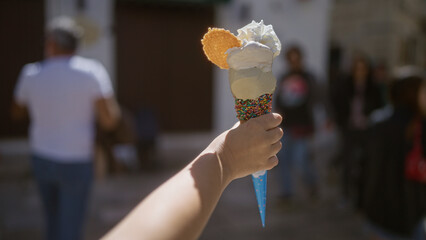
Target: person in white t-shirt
(64, 95)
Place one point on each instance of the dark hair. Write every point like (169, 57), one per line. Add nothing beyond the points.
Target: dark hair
(65, 33)
(293, 49)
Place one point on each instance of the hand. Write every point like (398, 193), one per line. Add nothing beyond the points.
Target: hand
(249, 147)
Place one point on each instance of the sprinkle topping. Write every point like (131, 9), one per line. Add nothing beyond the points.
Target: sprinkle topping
(251, 108)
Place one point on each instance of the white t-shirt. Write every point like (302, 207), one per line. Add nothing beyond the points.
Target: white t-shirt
(60, 95)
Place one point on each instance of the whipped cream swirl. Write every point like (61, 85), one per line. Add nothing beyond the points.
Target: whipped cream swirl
(260, 45)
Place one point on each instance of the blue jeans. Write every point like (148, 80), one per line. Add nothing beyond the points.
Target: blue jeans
(295, 154)
(420, 233)
(64, 190)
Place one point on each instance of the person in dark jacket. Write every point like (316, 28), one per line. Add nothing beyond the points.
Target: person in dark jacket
(295, 100)
(395, 206)
(353, 99)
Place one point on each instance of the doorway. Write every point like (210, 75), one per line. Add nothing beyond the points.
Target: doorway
(161, 65)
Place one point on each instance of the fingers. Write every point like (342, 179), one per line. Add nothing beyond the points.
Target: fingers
(276, 147)
(269, 121)
(272, 162)
(274, 135)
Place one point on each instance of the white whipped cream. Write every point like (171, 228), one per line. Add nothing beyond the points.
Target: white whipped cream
(260, 45)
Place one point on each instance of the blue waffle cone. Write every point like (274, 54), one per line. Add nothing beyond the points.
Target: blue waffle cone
(259, 182)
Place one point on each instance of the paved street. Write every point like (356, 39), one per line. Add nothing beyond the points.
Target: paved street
(235, 217)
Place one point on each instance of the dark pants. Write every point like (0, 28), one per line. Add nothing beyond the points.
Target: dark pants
(353, 157)
(64, 189)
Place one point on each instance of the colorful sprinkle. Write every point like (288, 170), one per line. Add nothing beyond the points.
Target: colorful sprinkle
(251, 108)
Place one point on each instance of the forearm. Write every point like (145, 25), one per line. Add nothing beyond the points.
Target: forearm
(108, 112)
(181, 207)
(113, 114)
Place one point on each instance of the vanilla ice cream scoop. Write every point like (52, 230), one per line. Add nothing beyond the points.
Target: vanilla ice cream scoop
(252, 54)
(251, 83)
(250, 66)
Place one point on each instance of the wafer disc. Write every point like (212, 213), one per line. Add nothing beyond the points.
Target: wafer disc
(216, 42)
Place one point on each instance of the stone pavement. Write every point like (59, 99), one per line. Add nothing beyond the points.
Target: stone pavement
(236, 216)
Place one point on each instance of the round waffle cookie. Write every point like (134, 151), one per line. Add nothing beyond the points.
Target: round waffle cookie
(216, 42)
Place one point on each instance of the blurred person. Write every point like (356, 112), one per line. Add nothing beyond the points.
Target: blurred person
(381, 78)
(148, 128)
(353, 99)
(295, 101)
(63, 95)
(181, 207)
(395, 202)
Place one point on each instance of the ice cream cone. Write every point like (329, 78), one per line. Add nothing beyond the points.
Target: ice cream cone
(249, 57)
(246, 86)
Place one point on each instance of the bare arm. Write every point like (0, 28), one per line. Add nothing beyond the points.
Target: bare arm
(18, 111)
(108, 112)
(181, 207)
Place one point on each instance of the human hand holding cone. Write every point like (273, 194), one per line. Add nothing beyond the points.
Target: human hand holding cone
(249, 58)
(247, 108)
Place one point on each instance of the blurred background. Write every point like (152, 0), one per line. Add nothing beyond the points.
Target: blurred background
(175, 102)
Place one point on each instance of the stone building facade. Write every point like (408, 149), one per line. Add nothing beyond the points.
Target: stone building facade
(392, 32)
